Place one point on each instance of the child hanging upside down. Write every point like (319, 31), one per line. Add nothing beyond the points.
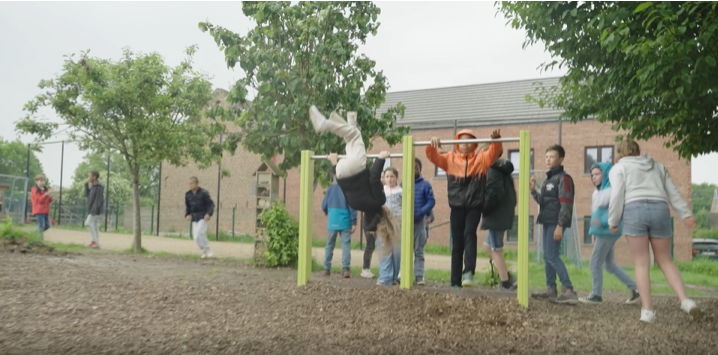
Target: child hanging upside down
(362, 186)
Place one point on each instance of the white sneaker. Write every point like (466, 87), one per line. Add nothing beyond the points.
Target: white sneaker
(204, 256)
(209, 254)
(317, 119)
(648, 315)
(367, 274)
(689, 306)
(352, 118)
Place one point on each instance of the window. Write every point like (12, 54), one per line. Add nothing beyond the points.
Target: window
(513, 233)
(600, 154)
(587, 239)
(439, 172)
(514, 158)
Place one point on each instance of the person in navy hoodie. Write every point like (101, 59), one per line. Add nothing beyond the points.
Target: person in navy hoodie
(423, 204)
(341, 220)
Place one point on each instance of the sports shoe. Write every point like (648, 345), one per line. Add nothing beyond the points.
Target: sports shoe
(635, 297)
(317, 119)
(549, 293)
(689, 306)
(93, 245)
(420, 281)
(346, 274)
(209, 254)
(648, 315)
(593, 299)
(367, 274)
(326, 272)
(468, 279)
(567, 296)
(352, 118)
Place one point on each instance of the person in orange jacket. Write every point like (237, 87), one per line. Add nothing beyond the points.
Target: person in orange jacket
(40, 198)
(466, 171)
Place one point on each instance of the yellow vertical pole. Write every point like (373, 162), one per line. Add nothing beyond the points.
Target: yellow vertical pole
(522, 293)
(306, 181)
(407, 214)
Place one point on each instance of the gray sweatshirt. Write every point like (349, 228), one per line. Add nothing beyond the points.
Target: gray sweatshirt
(638, 178)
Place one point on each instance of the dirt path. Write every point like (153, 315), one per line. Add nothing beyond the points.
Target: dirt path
(116, 241)
(105, 303)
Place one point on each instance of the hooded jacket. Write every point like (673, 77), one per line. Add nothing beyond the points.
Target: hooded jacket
(636, 178)
(556, 198)
(423, 198)
(500, 197)
(599, 204)
(335, 206)
(466, 172)
(40, 199)
(365, 192)
(95, 195)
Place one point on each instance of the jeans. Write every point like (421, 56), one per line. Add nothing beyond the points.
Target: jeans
(199, 233)
(93, 225)
(553, 264)
(346, 236)
(419, 243)
(603, 255)
(464, 222)
(647, 217)
(389, 266)
(369, 249)
(495, 239)
(43, 222)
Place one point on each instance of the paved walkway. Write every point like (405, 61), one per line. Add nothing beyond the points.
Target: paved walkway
(116, 241)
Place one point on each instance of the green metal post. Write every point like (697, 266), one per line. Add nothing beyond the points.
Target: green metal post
(407, 214)
(522, 293)
(306, 181)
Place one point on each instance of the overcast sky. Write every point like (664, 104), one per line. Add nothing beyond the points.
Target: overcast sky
(418, 46)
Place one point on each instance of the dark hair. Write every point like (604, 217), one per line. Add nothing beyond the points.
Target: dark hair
(417, 162)
(194, 178)
(95, 174)
(558, 149)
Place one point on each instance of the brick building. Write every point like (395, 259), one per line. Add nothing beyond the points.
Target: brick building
(441, 112)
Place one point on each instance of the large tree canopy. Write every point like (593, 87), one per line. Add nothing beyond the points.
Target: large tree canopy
(649, 68)
(137, 107)
(13, 159)
(298, 55)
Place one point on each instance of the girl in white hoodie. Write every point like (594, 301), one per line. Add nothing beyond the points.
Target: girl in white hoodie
(642, 190)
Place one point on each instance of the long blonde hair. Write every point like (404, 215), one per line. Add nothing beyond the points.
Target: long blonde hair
(387, 230)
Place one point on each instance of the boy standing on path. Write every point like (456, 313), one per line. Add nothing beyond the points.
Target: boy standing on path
(556, 209)
(423, 204)
(94, 193)
(342, 220)
(199, 209)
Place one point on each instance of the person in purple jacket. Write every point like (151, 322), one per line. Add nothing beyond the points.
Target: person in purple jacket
(423, 204)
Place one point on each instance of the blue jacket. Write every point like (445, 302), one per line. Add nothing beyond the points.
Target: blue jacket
(335, 206)
(423, 198)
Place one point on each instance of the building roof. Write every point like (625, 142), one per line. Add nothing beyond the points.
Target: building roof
(474, 105)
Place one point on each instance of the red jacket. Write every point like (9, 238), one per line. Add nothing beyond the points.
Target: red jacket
(40, 201)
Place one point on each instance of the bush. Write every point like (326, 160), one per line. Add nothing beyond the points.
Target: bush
(10, 232)
(705, 233)
(282, 236)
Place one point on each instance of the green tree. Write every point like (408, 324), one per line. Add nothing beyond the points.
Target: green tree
(137, 107)
(13, 159)
(298, 55)
(702, 199)
(649, 68)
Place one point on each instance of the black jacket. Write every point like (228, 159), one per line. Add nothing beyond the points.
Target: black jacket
(95, 196)
(365, 192)
(499, 197)
(556, 198)
(198, 204)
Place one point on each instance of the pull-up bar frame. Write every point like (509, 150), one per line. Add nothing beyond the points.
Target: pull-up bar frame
(407, 210)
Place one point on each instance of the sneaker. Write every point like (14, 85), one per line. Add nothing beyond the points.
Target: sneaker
(456, 287)
(367, 274)
(467, 280)
(346, 274)
(420, 281)
(591, 299)
(648, 316)
(326, 273)
(689, 306)
(204, 256)
(93, 245)
(209, 254)
(635, 297)
(549, 293)
(568, 296)
(507, 286)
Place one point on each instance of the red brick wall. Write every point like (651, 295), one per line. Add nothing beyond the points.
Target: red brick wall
(237, 188)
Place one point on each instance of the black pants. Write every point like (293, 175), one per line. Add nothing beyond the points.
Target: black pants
(369, 250)
(464, 222)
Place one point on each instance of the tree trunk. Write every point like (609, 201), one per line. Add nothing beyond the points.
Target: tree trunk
(137, 225)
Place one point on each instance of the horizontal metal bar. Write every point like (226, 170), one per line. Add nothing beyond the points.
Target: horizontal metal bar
(473, 140)
(393, 155)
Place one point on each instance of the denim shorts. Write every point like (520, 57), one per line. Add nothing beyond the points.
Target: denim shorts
(495, 239)
(647, 217)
